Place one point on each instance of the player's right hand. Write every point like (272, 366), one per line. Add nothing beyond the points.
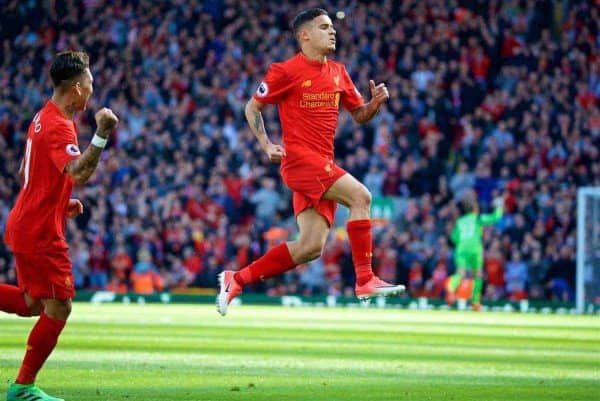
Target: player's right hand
(75, 208)
(274, 152)
(106, 121)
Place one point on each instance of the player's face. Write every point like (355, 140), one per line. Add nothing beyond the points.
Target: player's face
(84, 89)
(322, 34)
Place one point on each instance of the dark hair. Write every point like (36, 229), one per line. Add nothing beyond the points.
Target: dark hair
(306, 16)
(68, 65)
(469, 203)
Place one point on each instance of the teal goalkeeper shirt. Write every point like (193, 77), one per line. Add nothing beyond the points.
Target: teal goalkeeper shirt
(467, 231)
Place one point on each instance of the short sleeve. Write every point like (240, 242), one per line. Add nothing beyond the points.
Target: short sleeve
(62, 144)
(274, 87)
(351, 97)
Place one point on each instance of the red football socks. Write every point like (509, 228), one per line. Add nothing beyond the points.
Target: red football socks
(361, 245)
(276, 261)
(41, 342)
(12, 300)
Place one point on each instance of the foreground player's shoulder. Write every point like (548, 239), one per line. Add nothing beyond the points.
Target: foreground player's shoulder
(60, 130)
(284, 68)
(277, 72)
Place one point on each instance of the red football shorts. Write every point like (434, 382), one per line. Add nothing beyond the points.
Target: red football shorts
(47, 275)
(309, 177)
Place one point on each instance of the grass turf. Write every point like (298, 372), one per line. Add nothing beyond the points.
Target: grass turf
(189, 352)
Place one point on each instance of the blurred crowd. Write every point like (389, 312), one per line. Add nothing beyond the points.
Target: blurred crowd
(496, 97)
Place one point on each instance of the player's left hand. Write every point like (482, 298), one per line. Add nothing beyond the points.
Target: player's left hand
(379, 93)
(498, 202)
(75, 208)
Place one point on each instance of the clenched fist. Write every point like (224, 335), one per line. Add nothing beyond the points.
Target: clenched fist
(75, 208)
(106, 121)
(379, 93)
(274, 152)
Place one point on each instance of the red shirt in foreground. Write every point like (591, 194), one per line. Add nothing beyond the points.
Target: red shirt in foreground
(308, 94)
(36, 223)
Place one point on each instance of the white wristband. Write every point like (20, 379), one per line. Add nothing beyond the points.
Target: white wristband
(98, 141)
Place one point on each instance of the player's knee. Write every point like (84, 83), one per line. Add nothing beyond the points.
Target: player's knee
(311, 252)
(66, 309)
(315, 252)
(362, 198)
(34, 310)
(58, 310)
(30, 306)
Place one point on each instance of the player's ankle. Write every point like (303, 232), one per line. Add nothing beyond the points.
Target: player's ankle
(364, 278)
(243, 277)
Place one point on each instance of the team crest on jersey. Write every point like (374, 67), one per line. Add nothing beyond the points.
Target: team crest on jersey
(336, 80)
(73, 150)
(307, 83)
(263, 89)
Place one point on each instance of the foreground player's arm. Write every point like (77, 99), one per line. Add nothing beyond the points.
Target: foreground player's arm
(255, 120)
(379, 95)
(83, 167)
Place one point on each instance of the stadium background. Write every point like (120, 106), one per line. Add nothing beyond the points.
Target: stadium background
(499, 97)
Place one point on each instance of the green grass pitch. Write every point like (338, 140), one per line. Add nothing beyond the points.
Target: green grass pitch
(189, 352)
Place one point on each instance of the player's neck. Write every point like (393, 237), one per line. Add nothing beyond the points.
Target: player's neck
(65, 105)
(314, 56)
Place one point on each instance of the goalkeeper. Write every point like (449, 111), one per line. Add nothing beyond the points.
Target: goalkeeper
(468, 252)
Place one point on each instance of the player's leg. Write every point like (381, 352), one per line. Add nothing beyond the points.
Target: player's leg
(14, 300)
(313, 233)
(313, 230)
(477, 264)
(461, 263)
(354, 195)
(43, 338)
(40, 344)
(456, 278)
(48, 278)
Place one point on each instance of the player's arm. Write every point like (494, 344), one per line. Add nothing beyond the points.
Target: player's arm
(84, 166)
(253, 112)
(496, 215)
(366, 112)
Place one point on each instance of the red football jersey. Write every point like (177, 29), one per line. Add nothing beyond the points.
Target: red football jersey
(308, 94)
(36, 223)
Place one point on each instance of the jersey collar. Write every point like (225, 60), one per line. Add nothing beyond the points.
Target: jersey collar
(312, 63)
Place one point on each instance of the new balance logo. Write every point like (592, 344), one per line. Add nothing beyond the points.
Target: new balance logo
(307, 83)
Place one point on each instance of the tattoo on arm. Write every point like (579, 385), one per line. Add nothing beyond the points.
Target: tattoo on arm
(82, 168)
(257, 124)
